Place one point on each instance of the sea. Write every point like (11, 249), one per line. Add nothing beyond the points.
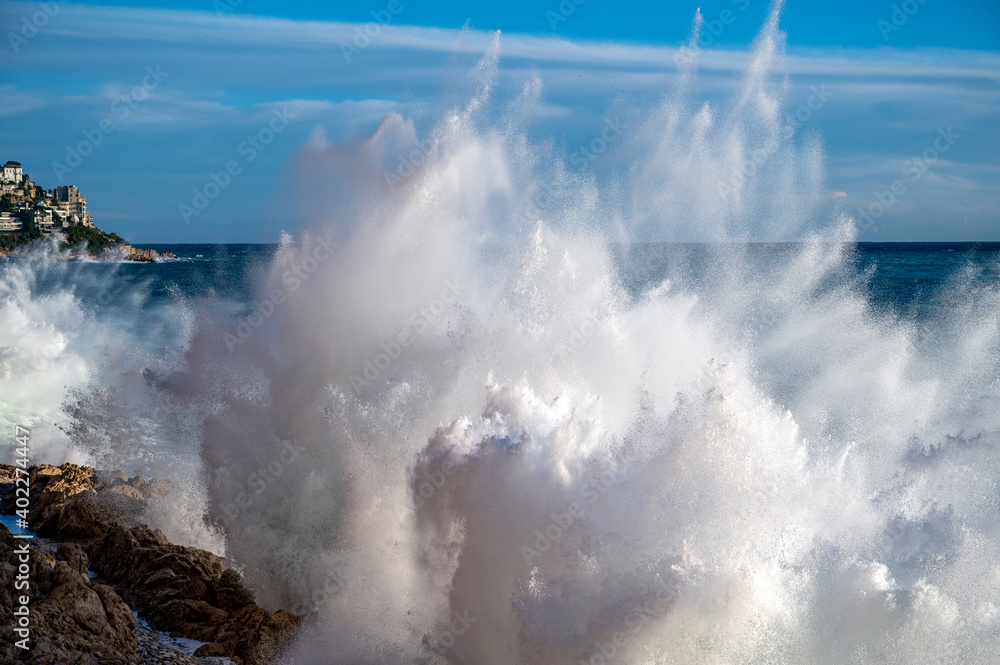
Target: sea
(904, 278)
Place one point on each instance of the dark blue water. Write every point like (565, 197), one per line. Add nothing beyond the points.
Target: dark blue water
(228, 271)
(905, 278)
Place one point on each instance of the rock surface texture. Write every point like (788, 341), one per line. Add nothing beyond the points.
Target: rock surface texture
(72, 619)
(147, 255)
(92, 519)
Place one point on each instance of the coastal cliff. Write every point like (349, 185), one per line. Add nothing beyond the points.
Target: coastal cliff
(29, 213)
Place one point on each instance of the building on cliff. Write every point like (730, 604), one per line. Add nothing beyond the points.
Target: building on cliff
(72, 204)
(43, 217)
(26, 205)
(10, 222)
(12, 172)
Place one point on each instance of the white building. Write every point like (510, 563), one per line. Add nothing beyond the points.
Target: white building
(9, 223)
(12, 172)
(42, 216)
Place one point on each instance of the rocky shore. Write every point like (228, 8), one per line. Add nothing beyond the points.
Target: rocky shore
(147, 255)
(94, 564)
(126, 252)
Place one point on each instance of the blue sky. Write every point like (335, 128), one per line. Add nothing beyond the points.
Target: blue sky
(212, 78)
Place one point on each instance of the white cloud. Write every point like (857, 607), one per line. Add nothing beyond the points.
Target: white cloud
(205, 29)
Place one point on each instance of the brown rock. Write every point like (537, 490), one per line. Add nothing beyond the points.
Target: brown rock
(42, 574)
(5, 537)
(270, 639)
(146, 255)
(230, 592)
(8, 473)
(214, 650)
(8, 476)
(111, 477)
(72, 619)
(128, 492)
(74, 557)
(92, 623)
(184, 590)
(148, 537)
(49, 487)
(194, 619)
(83, 517)
(57, 489)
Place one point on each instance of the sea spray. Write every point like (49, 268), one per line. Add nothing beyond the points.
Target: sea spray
(755, 414)
(82, 353)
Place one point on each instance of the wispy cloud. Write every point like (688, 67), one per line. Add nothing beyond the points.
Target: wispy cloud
(13, 102)
(122, 27)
